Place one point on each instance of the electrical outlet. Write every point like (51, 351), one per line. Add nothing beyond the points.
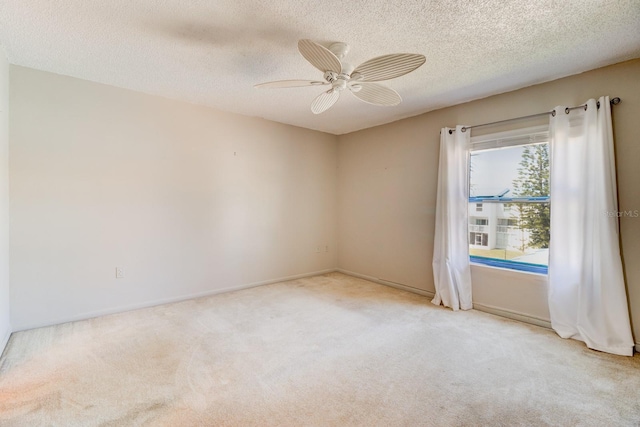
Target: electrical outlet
(326, 248)
(318, 250)
(119, 273)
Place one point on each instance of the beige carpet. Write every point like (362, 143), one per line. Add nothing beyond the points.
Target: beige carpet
(330, 350)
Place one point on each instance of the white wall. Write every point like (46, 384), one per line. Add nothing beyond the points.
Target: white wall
(186, 199)
(511, 293)
(387, 189)
(5, 325)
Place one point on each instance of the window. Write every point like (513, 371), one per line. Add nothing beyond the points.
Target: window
(509, 184)
(479, 239)
(479, 221)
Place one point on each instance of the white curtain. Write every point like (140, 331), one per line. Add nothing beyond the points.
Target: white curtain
(451, 271)
(587, 299)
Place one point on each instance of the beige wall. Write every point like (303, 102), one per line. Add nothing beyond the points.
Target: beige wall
(185, 199)
(5, 325)
(387, 180)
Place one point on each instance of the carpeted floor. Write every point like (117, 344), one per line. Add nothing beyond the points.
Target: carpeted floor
(331, 350)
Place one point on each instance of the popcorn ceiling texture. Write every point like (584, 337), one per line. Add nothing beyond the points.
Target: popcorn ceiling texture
(212, 53)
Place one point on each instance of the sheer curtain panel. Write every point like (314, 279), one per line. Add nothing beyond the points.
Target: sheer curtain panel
(587, 298)
(451, 271)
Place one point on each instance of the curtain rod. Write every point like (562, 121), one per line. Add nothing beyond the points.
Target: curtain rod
(614, 101)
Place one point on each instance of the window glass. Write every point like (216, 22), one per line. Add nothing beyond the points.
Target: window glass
(512, 186)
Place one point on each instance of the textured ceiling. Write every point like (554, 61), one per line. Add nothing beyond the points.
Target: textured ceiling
(213, 52)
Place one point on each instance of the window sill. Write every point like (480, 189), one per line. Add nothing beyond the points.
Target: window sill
(520, 267)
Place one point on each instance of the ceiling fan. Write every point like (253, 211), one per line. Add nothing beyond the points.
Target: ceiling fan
(361, 80)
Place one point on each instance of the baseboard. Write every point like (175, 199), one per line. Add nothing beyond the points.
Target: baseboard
(387, 283)
(124, 308)
(4, 340)
(514, 315)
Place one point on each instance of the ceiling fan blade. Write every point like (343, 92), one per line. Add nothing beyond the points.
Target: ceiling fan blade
(389, 66)
(324, 101)
(290, 83)
(376, 94)
(319, 56)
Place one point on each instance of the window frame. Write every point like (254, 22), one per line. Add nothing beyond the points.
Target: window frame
(513, 138)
